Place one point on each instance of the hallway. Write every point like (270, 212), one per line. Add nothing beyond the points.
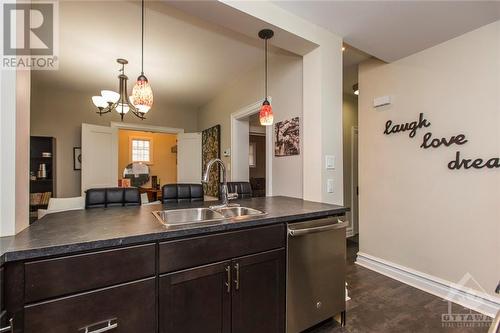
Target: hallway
(380, 304)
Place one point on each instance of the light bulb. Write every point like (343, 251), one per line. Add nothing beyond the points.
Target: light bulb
(122, 108)
(110, 96)
(99, 101)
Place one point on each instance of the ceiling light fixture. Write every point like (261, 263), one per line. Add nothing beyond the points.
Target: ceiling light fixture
(110, 100)
(355, 89)
(266, 111)
(142, 94)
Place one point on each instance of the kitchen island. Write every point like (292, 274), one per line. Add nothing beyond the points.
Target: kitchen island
(120, 270)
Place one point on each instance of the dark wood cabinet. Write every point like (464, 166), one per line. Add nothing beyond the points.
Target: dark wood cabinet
(2, 293)
(258, 303)
(246, 294)
(196, 300)
(42, 183)
(219, 283)
(130, 307)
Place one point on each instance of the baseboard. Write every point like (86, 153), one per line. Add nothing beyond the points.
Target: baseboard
(472, 299)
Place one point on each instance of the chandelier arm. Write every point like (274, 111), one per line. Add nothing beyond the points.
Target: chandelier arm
(101, 111)
(136, 112)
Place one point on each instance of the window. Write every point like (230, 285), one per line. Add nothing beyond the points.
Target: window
(141, 150)
(252, 152)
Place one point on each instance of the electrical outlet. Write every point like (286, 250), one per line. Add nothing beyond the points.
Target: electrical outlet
(329, 186)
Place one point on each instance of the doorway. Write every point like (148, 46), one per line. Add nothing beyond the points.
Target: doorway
(257, 156)
(147, 160)
(101, 143)
(249, 163)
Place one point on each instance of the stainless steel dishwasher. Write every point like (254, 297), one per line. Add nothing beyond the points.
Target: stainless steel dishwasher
(316, 272)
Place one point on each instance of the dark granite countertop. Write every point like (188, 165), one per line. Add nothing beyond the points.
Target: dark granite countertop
(100, 228)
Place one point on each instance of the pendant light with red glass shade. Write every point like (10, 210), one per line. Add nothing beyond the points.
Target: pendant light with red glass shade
(142, 94)
(266, 111)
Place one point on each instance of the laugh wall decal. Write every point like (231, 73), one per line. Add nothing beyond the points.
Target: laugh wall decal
(428, 141)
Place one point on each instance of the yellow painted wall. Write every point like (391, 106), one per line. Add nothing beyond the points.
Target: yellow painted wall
(164, 164)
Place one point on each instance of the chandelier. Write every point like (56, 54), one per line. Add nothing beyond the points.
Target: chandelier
(142, 95)
(120, 102)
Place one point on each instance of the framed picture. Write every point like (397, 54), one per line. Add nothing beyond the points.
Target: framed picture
(77, 158)
(287, 137)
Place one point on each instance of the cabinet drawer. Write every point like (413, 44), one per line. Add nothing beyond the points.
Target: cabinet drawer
(131, 307)
(70, 275)
(186, 253)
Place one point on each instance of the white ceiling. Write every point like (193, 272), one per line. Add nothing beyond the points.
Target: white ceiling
(390, 30)
(187, 60)
(351, 58)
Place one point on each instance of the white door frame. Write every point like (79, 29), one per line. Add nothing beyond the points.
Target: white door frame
(146, 128)
(244, 113)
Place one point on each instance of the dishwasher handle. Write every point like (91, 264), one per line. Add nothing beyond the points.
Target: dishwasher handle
(299, 232)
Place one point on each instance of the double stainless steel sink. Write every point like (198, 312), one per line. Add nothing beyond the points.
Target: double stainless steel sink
(177, 217)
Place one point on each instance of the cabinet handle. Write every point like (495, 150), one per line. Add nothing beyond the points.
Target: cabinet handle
(237, 281)
(7, 329)
(228, 281)
(111, 325)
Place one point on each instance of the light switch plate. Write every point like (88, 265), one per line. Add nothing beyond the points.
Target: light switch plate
(330, 162)
(329, 186)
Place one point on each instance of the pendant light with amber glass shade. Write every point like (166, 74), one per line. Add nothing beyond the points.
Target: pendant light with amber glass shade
(266, 111)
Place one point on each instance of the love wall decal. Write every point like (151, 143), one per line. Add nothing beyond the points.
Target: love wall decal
(428, 141)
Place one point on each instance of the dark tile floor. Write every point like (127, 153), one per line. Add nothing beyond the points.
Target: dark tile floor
(380, 304)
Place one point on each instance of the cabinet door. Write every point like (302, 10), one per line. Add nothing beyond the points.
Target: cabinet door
(258, 303)
(196, 300)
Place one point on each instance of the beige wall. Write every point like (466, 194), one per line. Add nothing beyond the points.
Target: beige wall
(60, 113)
(164, 162)
(285, 87)
(349, 119)
(414, 211)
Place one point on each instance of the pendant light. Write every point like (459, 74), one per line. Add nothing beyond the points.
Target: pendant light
(266, 111)
(142, 94)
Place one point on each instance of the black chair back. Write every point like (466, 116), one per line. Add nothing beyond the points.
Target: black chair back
(177, 193)
(112, 197)
(243, 189)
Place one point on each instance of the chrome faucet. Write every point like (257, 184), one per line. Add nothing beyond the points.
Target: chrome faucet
(225, 195)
